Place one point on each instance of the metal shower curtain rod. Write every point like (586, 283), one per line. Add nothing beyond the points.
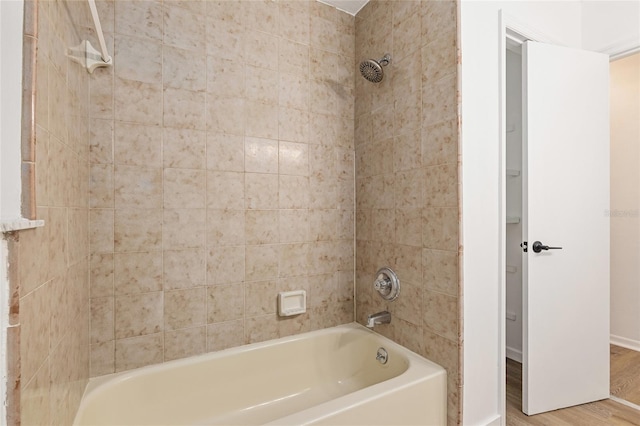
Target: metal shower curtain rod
(85, 54)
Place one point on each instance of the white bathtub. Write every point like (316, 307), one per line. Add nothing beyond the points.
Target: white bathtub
(328, 377)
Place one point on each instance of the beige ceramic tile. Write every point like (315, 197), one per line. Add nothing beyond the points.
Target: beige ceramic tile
(183, 228)
(101, 141)
(408, 189)
(225, 39)
(261, 85)
(184, 343)
(438, 20)
(101, 193)
(225, 227)
(184, 188)
(293, 259)
(288, 326)
(101, 230)
(261, 191)
(225, 115)
(261, 49)
(102, 358)
(260, 155)
(182, 69)
(293, 158)
(261, 262)
(294, 192)
(294, 91)
(102, 319)
(101, 269)
(262, 15)
(408, 227)
(293, 124)
(225, 302)
(407, 151)
(293, 57)
(225, 190)
(294, 225)
(322, 289)
(440, 228)
(184, 148)
(184, 308)
(261, 328)
(440, 271)
(35, 398)
(224, 335)
(138, 102)
(441, 314)
(406, 35)
(184, 28)
(137, 187)
(138, 59)
(294, 23)
(225, 78)
(101, 96)
(137, 315)
(184, 109)
(323, 35)
(129, 16)
(261, 226)
(136, 273)
(225, 152)
(323, 224)
(260, 298)
(137, 230)
(32, 270)
(441, 185)
(58, 241)
(439, 100)
(138, 145)
(183, 268)
(225, 265)
(261, 120)
(139, 351)
(439, 144)
(34, 333)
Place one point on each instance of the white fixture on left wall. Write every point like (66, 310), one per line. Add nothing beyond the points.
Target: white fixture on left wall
(85, 54)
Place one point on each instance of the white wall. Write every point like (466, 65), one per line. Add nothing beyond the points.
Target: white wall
(480, 40)
(610, 26)
(625, 201)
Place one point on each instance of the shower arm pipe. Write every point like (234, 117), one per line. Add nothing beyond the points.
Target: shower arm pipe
(96, 20)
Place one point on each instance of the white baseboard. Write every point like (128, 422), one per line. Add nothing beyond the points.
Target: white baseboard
(634, 345)
(496, 421)
(514, 354)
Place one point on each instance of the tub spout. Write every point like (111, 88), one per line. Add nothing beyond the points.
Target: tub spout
(383, 317)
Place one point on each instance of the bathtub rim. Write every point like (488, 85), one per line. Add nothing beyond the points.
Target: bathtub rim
(419, 369)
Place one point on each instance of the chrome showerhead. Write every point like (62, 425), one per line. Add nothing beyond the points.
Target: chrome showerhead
(372, 69)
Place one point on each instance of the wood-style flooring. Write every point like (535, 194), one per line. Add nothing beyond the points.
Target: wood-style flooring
(625, 374)
(604, 412)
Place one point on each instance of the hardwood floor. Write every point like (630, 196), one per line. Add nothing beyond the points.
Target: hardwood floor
(604, 412)
(625, 374)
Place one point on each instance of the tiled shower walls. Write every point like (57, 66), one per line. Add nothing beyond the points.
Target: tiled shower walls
(49, 266)
(406, 137)
(222, 166)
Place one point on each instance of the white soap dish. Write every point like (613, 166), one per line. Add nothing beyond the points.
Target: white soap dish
(292, 303)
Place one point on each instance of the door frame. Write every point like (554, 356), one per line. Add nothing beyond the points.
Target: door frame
(514, 31)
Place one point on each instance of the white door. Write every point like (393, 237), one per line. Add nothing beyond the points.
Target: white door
(565, 204)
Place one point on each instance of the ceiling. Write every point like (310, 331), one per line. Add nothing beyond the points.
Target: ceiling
(350, 6)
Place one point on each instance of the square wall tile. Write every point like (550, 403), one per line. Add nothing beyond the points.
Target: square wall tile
(138, 315)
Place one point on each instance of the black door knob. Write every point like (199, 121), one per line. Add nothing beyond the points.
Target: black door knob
(538, 247)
